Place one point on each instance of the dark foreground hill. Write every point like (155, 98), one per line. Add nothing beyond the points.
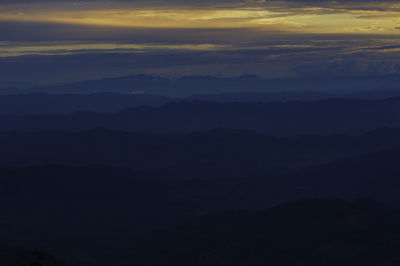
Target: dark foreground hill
(11, 256)
(276, 118)
(304, 233)
(84, 215)
(90, 215)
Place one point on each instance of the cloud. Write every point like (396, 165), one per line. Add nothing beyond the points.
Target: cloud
(72, 40)
(300, 16)
(55, 32)
(315, 56)
(271, 17)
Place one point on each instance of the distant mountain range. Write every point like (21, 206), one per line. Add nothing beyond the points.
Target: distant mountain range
(40, 103)
(382, 86)
(333, 116)
(156, 173)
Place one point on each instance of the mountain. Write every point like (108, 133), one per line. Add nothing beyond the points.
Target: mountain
(59, 103)
(220, 153)
(334, 116)
(385, 85)
(46, 103)
(39, 103)
(182, 87)
(304, 233)
(281, 96)
(19, 256)
(375, 175)
(270, 169)
(82, 214)
(96, 215)
(88, 215)
(126, 85)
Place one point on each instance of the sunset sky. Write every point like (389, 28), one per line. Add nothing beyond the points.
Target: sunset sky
(76, 40)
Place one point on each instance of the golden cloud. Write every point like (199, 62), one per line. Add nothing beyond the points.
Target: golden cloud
(289, 16)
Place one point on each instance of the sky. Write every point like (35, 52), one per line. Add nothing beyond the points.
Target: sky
(50, 41)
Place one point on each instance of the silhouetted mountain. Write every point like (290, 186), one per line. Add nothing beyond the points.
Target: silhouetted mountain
(277, 118)
(15, 87)
(270, 169)
(18, 257)
(62, 209)
(184, 86)
(263, 96)
(128, 84)
(81, 196)
(304, 233)
(40, 103)
(48, 103)
(375, 175)
(87, 215)
(220, 153)
(99, 215)
(33, 104)
(193, 85)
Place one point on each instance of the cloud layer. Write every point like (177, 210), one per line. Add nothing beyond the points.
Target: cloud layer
(311, 16)
(72, 40)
